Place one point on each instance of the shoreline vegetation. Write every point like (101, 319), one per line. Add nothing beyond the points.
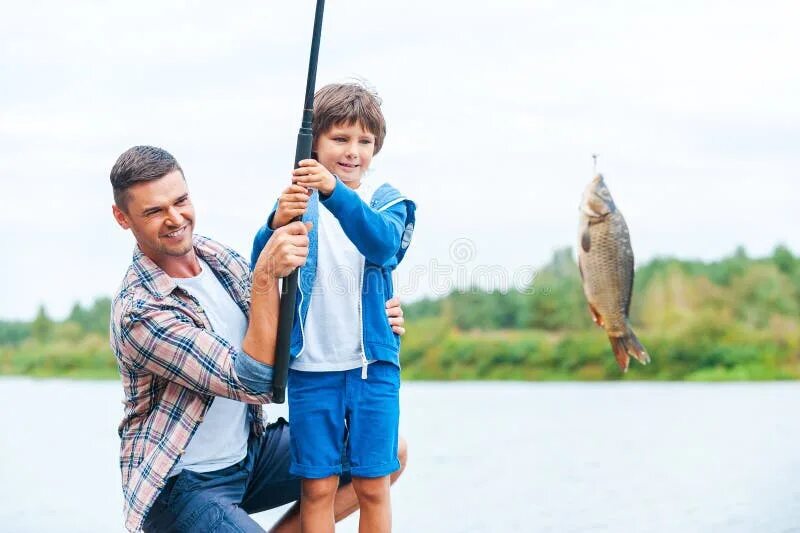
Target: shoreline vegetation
(736, 319)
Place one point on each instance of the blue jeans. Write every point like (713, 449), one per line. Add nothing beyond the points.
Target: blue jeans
(222, 500)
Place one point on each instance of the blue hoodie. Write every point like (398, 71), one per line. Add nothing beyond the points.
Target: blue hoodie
(381, 231)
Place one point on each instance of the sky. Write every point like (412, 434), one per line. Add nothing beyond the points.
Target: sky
(493, 111)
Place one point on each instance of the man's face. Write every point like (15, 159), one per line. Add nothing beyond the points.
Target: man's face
(346, 151)
(160, 215)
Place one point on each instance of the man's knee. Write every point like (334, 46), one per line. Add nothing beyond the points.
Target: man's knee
(402, 453)
(402, 456)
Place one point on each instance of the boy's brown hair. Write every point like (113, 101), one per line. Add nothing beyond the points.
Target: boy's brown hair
(348, 104)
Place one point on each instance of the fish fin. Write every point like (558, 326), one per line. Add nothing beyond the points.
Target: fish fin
(635, 348)
(620, 352)
(586, 239)
(626, 347)
(596, 316)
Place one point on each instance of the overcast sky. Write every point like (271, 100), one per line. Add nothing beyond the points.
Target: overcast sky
(493, 112)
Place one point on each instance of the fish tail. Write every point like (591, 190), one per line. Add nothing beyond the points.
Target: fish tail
(639, 353)
(620, 351)
(626, 347)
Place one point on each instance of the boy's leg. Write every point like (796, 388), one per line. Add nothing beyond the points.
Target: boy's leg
(346, 502)
(271, 485)
(316, 405)
(316, 504)
(346, 499)
(374, 500)
(374, 413)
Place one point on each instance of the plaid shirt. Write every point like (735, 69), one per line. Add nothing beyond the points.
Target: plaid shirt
(172, 365)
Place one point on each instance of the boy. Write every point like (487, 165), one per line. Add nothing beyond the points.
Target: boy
(344, 375)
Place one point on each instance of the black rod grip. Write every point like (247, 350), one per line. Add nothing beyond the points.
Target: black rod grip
(289, 286)
(288, 296)
(285, 324)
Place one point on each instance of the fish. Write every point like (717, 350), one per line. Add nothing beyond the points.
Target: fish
(605, 261)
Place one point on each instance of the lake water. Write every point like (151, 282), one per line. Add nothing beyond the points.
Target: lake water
(500, 457)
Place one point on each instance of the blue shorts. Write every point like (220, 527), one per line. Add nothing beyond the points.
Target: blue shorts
(338, 418)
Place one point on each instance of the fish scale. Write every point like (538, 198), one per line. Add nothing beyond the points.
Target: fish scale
(610, 268)
(605, 258)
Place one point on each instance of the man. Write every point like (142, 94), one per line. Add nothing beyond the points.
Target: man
(194, 333)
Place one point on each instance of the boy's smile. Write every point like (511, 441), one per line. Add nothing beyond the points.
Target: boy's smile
(346, 151)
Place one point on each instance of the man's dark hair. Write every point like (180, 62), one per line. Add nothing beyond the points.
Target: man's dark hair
(138, 164)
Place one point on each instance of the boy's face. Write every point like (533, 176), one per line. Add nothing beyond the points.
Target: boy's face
(346, 151)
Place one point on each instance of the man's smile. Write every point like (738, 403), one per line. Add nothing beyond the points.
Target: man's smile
(178, 233)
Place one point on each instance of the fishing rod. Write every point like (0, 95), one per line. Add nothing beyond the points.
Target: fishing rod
(289, 285)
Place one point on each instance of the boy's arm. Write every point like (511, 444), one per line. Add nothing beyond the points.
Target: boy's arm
(376, 234)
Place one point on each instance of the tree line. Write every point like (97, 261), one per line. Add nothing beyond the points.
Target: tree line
(735, 318)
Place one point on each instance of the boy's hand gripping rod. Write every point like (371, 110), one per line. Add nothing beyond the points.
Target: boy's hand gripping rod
(289, 286)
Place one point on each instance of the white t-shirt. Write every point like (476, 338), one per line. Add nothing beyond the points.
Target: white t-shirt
(221, 438)
(332, 329)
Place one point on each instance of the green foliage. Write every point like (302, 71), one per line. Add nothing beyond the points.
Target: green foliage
(90, 354)
(93, 319)
(42, 326)
(736, 318)
(783, 259)
(77, 346)
(13, 333)
(762, 291)
(733, 319)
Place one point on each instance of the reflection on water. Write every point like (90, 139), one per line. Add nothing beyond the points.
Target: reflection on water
(483, 457)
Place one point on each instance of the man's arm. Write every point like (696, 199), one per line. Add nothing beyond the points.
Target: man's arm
(286, 250)
(166, 342)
